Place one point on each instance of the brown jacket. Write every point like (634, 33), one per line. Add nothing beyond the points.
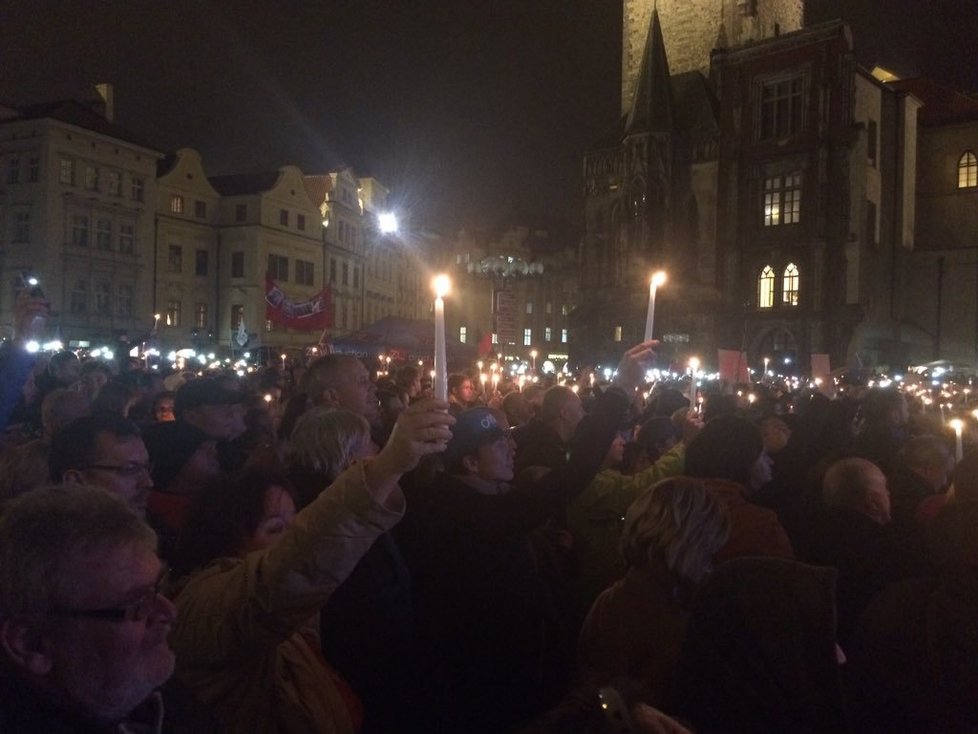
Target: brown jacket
(754, 530)
(243, 627)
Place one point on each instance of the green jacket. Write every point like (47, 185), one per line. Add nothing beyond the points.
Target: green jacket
(596, 516)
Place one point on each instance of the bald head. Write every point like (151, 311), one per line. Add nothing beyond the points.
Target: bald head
(860, 485)
(562, 410)
(341, 381)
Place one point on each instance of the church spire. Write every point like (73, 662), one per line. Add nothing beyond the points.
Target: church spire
(652, 107)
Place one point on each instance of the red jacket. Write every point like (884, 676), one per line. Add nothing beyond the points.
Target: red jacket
(754, 530)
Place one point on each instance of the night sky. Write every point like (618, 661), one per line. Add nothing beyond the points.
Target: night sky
(476, 112)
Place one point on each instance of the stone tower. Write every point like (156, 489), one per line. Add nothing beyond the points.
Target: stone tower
(693, 28)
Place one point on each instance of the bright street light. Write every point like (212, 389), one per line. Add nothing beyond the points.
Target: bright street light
(387, 221)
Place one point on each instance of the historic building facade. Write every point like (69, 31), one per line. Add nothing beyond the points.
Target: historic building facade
(768, 175)
(77, 210)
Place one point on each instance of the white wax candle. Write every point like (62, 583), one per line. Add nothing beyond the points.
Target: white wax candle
(441, 356)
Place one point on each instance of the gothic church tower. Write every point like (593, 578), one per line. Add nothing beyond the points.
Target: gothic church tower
(693, 28)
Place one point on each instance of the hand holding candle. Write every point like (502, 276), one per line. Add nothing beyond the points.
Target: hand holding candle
(441, 285)
(958, 425)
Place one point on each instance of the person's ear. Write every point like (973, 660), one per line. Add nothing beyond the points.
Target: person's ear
(26, 645)
(73, 476)
(471, 463)
(329, 398)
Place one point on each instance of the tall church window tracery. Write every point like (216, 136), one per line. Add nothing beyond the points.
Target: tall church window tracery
(967, 170)
(789, 285)
(765, 288)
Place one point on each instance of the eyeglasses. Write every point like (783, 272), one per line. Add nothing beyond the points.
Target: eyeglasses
(137, 611)
(129, 469)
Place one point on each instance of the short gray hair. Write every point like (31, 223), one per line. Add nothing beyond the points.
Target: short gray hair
(844, 484)
(325, 440)
(45, 531)
(677, 521)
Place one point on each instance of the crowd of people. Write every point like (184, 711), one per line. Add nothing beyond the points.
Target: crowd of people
(317, 550)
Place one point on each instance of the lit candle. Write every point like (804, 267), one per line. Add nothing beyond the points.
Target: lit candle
(441, 285)
(657, 280)
(958, 425)
(283, 361)
(482, 379)
(694, 364)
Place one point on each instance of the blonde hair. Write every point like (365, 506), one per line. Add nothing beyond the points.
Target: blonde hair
(326, 440)
(677, 522)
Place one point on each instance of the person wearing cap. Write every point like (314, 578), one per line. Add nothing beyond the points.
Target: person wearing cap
(211, 407)
(495, 649)
(183, 460)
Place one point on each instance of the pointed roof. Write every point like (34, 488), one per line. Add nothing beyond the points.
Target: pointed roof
(652, 105)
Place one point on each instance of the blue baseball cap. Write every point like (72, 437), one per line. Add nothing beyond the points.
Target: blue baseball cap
(473, 428)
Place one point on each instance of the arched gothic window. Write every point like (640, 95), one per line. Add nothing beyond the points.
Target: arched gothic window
(789, 285)
(967, 170)
(765, 288)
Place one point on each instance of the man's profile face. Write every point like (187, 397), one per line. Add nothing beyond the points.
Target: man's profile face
(121, 466)
(110, 666)
(355, 392)
(878, 494)
(465, 392)
(495, 460)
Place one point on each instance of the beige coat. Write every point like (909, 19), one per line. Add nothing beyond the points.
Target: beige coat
(238, 636)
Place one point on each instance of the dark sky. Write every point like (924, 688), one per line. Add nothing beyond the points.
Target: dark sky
(476, 112)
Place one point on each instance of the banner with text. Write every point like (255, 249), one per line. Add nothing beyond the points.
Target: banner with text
(314, 313)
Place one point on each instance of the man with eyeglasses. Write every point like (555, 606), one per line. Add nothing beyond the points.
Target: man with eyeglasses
(104, 450)
(83, 627)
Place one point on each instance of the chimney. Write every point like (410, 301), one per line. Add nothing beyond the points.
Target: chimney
(107, 93)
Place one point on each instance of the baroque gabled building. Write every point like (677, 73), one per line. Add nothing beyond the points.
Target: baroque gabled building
(77, 210)
(767, 174)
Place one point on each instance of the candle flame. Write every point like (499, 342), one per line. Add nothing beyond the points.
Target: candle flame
(658, 278)
(441, 285)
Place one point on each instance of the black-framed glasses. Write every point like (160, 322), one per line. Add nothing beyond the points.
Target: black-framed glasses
(129, 469)
(137, 611)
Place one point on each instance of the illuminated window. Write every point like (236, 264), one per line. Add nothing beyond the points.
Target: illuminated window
(200, 315)
(563, 336)
(495, 338)
(173, 313)
(782, 199)
(967, 170)
(548, 334)
(617, 333)
(765, 288)
(781, 108)
(789, 285)
(527, 337)
(462, 334)
(176, 204)
(529, 306)
(66, 173)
